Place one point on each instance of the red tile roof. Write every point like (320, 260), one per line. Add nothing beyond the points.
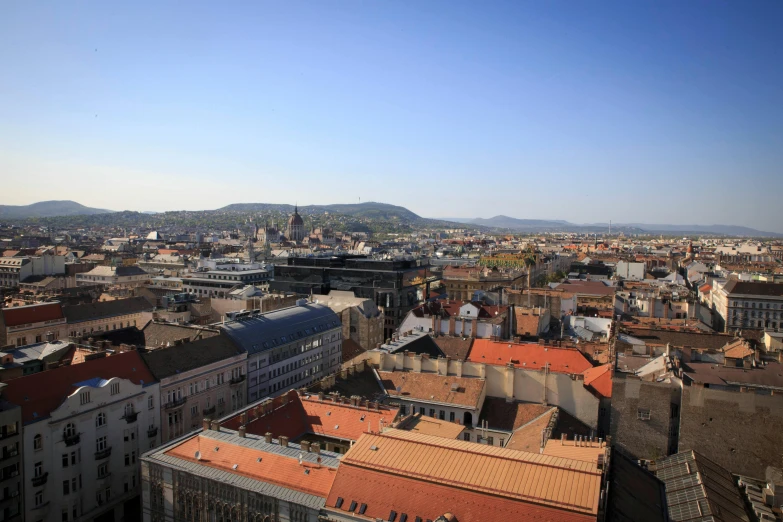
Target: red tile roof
(303, 415)
(450, 308)
(41, 393)
(599, 379)
(257, 465)
(32, 314)
(428, 476)
(529, 356)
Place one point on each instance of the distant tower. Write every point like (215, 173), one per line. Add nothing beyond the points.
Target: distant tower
(251, 254)
(296, 230)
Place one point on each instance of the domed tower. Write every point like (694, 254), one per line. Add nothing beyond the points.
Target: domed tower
(296, 230)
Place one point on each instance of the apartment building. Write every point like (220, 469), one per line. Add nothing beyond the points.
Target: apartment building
(123, 276)
(747, 305)
(460, 318)
(217, 277)
(36, 323)
(287, 348)
(105, 316)
(199, 379)
(362, 320)
(14, 270)
(11, 477)
(85, 427)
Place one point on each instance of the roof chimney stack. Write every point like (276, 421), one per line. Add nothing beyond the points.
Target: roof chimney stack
(283, 441)
(268, 437)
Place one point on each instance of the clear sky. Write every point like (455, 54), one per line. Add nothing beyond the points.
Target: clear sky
(634, 111)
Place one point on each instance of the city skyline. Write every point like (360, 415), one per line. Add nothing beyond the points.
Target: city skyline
(651, 112)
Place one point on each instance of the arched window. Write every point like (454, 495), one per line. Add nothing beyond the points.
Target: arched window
(37, 442)
(100, 420)
(69, 430)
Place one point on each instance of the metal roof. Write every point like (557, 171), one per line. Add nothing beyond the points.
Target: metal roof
(266, 331)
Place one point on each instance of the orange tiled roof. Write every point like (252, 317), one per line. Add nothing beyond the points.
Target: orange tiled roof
(436, 468)
(528, 437)
(570, 450)
(302, 415)
(529, 356)
(41, 393)
(738, 349)
(599, 379)
(431, 426)
(432, 387)
(275, 469)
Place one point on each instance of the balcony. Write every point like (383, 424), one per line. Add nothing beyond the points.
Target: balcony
(152, 433)
(237, 380)
(175, 403)
(130, 418)
(40, 480)
(7, 434)
(104, 453)
(8, 474)
(105, 476)
(71, 440)
(8, 455)
(209, 411)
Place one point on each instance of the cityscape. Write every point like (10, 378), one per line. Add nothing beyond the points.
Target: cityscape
(402, 261)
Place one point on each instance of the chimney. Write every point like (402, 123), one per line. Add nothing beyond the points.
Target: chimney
(205, 424)
(315, 448)
(242, 432)
(320, 396)
(215, 425)
(305, 446)
(243, 418)
(268, 437)
(283, 441)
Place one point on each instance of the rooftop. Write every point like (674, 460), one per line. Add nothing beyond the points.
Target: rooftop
(531, 356)
(169, 361)
(697, 489)
(430, 426)
(36, 313)
(768, 376)
(475, 482)
(104, 309)
(41, 393)
(430, 387)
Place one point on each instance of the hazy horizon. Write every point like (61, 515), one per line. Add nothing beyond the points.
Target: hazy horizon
(644, 112)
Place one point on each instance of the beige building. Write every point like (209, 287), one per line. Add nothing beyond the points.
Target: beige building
(362, 321)
(23, 325)
(199, 379)
(126, 276)
(105, 316)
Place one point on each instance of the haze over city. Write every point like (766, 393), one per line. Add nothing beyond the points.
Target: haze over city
(636, 112)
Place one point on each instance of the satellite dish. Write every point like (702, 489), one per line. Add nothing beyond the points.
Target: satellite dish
(198, 455)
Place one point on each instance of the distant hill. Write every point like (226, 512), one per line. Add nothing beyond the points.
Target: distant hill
(541, 225)
(49, 209)
(369, 210)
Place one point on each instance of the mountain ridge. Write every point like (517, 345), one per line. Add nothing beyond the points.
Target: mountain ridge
(51, 208)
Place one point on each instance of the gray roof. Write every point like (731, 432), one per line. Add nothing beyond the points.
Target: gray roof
(165, 362)
(103, 309)
(37, 352)
(265, 331)
(158, 456)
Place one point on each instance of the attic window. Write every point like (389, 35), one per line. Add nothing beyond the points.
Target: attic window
(258, 459)
(353, 505)
(235, 466)
(217, 448)
(392, 516)
(337, 426)
(339, 502)
(643, 414)
(362, 509)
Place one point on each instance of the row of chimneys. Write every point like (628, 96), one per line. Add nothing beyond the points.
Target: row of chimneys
(355, 401)
(583, 441)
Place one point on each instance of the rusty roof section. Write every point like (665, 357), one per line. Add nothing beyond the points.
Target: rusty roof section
(457, 391)
(257, 464)
(529, 477)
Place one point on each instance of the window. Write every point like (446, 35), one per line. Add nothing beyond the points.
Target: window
(129, 409)
(491, 441)
(37, 443)
(442, 415)
(38, 498)
(38, 469)
(432, 412)
(100, 443)
(466, 436)
(127, 459)
(150, 402)
(65, 460)
(451, 416)
(643, 414)
(100, 420)
(69, 430)
(115, 388)
(194, 410)
(84, 397)
(66, 488)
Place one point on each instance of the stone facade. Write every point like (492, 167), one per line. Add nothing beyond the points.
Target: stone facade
(740, 431)
(644, 419)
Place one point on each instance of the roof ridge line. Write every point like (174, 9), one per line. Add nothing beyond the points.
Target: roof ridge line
(472, 452)
(469, 487)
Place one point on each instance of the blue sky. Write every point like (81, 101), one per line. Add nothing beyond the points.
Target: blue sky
(664, 111)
